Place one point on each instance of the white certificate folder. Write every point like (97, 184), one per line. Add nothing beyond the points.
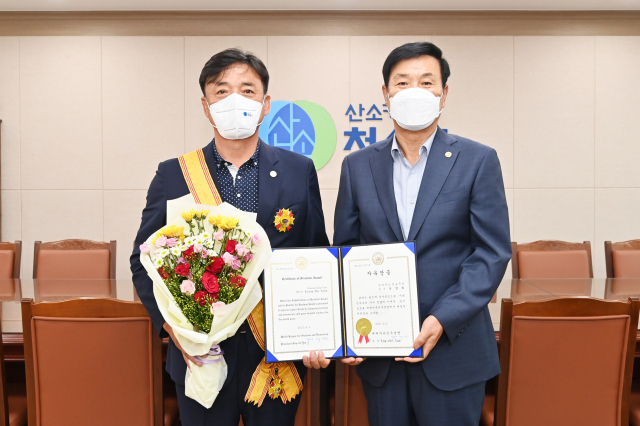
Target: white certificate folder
(358, 301)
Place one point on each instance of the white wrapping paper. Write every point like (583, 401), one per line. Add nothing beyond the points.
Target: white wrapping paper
(204, 383)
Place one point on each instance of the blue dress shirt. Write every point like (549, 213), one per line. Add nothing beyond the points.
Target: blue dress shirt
(406, 181)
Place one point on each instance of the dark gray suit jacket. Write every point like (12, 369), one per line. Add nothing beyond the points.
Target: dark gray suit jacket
(461, 229)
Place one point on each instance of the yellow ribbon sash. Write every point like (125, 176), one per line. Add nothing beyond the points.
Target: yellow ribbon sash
(277, 379)
(196, 173)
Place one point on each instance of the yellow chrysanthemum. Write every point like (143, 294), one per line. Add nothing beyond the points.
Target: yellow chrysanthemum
(201, 214)
(170, 231)
(188, 215)
(224, 222)
(228, 223)
(214, 220)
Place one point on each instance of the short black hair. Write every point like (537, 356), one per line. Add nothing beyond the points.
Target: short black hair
(415, 50)
(223, 60)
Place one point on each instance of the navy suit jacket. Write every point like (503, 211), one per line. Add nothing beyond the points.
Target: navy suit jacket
(294, 187)
(461, 229)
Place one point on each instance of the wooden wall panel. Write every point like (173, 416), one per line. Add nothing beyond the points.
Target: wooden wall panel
(319, 23)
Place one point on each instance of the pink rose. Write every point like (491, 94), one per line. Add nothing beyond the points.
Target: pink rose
(219, 235)
(241, 249)
(171, 242)
(229, 258)
(215, 306)
(181, 260)
(248, 257)
(236, 264)
(255, 239)
(145, 248)
(188, 287)
(198, 247)
(161, 242)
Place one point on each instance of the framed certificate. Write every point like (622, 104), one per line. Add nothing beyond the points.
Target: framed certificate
(345, 301)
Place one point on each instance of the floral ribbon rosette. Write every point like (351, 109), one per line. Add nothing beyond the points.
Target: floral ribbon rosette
(205, 267)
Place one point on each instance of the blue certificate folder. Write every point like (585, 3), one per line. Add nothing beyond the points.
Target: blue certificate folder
(355, 301)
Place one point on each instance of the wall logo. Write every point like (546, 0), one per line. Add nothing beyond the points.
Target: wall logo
(302, 127)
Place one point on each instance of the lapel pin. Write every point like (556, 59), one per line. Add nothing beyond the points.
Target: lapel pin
(447, 154)
(273, 173)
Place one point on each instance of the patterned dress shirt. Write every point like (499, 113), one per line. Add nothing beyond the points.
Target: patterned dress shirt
(238, 186)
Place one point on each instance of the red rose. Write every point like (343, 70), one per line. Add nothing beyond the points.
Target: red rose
(189, 253)
(216, 266)
(163, 273)
(182, 269)
(238, 281)
(200, 298)
(231, 246)
(210, 283)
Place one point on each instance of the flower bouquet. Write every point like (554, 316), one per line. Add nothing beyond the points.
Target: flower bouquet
(205, 267)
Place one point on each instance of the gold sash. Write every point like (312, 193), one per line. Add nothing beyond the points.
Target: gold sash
(277, 379)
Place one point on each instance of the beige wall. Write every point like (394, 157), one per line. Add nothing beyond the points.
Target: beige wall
(87, 119)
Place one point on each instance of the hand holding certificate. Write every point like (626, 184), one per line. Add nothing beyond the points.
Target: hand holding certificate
(345, 301)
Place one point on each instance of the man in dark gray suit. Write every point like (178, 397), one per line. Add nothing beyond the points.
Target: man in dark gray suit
(446, 193)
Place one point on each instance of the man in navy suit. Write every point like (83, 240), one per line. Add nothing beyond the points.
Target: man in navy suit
(446, 193)
(254, 177)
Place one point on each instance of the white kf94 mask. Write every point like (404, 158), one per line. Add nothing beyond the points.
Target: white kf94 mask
(236, 117)
(415, 108)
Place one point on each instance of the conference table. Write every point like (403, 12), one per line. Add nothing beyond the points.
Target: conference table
(349, 399)
(338, 386)
(12, 291)
(520, 290)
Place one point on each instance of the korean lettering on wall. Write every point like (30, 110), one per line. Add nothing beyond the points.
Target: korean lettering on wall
(360, 120)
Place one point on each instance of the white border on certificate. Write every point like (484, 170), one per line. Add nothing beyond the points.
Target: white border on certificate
(381, 310)
(302, 304)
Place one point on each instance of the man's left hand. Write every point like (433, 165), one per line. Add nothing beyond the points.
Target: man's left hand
(428, 337)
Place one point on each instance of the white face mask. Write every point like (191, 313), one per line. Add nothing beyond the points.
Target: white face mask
(236, 117)
(415, 108)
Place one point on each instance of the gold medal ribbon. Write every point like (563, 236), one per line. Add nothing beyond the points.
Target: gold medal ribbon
(277, 379)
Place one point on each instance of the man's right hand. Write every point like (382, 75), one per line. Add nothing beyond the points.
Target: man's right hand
(185, 355)
(352, 361)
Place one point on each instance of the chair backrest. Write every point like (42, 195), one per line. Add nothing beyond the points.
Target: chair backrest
(4, 400)
(350, 404)
(10, 259)
(92, 361)
(551, 259)
(74, 259)
(566, 361)
(622, 259)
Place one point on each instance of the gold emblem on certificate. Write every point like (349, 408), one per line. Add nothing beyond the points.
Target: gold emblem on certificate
(301, 263)
(377, 258)
(363, 327)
